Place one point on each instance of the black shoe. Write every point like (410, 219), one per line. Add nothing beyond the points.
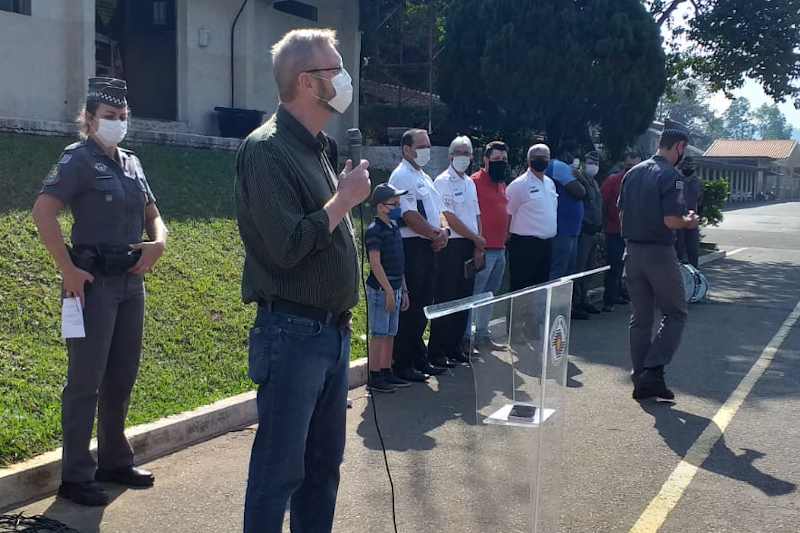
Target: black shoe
(426, 368)
(391, 379)
(443, 362)
(487, 344)
(458, 358)
(622, 300)
(378, 383)
(651, 381)
(84, 493)
(411, 374)
(608, 308)
(129, 476)
(579, 314)
(589, 308)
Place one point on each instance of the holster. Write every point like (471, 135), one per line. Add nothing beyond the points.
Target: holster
(105, 260)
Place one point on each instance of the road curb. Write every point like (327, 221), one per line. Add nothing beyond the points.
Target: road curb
(39, 477)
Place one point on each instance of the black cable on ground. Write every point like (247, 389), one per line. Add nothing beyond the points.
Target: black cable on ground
(19, 523)
(369, 376)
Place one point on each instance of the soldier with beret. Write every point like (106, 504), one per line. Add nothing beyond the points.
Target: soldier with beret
(112, 205)
(653, 205)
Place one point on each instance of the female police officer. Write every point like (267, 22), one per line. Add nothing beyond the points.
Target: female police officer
(111, 203)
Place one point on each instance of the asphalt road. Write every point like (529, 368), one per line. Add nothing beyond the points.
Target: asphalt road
(618, 454)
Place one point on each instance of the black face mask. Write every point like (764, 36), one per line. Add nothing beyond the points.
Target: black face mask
(539, 165)
(688, 173)
(680, 156)
(498, 171)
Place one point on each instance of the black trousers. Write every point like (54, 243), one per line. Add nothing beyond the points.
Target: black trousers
(587, 260)
(687, 245)
(420, 273)
(614, 286)
(528, 261)
(447, 331)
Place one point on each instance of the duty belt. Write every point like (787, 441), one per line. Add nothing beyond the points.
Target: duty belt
(329, 318)
(102, 259)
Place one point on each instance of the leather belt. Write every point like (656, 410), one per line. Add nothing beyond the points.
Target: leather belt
(329, 318)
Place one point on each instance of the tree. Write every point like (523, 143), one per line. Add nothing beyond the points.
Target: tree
(738, 122)
(549, 66)
(729, 40)
(394, 42)
(770, 122)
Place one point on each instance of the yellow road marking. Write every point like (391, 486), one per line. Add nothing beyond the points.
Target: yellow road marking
(671, 492)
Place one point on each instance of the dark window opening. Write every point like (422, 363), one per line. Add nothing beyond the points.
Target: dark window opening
(23, 7)
(298, 9)
(136, 41)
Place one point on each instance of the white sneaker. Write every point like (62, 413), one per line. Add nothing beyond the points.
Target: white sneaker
(349, 403)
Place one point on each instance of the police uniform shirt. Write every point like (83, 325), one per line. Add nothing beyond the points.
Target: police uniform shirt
(422, 196)
(459, 197)
(107, 198)
(533, 206)
(651, 190)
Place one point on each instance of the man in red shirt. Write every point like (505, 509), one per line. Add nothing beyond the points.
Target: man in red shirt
(615, 247)
(490, 183)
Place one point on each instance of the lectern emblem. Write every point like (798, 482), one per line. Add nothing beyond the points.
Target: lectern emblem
(558, 341)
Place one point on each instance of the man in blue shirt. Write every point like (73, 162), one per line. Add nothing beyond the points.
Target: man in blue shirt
(571, 192)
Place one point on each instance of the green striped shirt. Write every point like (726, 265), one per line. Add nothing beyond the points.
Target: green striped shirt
(283, 181)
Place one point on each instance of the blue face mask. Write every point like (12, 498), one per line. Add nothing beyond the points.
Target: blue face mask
(395, 213)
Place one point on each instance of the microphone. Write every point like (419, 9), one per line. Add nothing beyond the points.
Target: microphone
(353, 136)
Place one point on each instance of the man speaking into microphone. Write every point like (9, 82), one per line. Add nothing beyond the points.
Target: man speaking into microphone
(301, 269)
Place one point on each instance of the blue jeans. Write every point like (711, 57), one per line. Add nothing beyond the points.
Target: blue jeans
(487, 280)
(301, 367)
(382, 323)
(564, 256)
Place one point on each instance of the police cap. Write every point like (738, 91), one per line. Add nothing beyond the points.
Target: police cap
(109, 91)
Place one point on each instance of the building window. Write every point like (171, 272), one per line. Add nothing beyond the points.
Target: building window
(23, 7)
(159, 13)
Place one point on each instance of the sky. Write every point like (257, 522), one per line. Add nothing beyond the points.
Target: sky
(750, 90)
(753, 92)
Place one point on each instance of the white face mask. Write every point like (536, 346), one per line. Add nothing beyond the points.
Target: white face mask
(461, 163)
(343, 91)
(111, 132)
(423, 157)
(591, 170)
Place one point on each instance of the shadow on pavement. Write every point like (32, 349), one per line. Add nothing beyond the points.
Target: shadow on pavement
(680, 429)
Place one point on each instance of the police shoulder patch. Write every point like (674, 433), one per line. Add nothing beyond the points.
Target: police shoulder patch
(52, 177)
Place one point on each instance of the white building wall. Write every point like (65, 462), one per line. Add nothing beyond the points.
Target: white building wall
(45, 59)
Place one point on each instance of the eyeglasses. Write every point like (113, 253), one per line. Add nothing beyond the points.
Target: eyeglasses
(339, 69)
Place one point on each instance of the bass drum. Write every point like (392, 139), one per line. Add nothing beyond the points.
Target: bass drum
(695, 284)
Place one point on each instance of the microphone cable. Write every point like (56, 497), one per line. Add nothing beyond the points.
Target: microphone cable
(369, 376)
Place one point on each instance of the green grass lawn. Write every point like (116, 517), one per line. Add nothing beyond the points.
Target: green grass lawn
(196, 325)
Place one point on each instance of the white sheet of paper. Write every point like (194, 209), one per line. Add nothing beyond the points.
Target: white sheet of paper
(72, 319)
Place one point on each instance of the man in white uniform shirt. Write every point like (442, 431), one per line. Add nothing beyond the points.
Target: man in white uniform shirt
(424, 233)
(454, 280)
(532, 211)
